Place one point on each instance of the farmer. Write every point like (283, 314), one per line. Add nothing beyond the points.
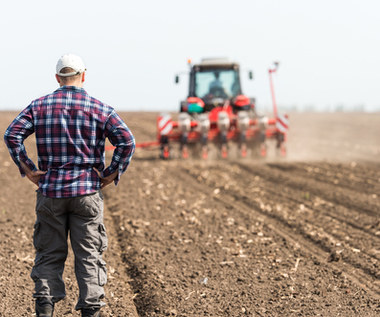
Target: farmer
(70, 129)
(216, 87)
(216, 83)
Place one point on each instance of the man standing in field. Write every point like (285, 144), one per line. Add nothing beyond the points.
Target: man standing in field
(70, 129)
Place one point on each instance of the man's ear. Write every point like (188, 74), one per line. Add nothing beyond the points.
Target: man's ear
(58, 78)
(83, 77)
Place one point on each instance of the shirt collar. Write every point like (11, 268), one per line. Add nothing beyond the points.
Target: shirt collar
(71, 88)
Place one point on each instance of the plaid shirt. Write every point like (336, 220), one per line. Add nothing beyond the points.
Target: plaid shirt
(71, 128)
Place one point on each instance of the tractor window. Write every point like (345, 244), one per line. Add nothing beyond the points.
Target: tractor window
(218, 82)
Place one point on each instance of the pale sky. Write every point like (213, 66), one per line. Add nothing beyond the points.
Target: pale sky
(329, 50)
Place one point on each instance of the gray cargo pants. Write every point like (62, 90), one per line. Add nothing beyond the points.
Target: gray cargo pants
(82, 217)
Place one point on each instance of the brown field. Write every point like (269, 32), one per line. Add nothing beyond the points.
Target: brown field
(293, 237)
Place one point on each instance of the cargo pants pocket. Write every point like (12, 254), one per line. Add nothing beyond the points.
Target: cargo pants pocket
(36, 236)
(88, 206)
(39, 240)
(103, 238)
(102, 273)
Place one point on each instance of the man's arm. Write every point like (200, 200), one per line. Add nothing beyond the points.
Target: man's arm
(14, 137)
(121, 137)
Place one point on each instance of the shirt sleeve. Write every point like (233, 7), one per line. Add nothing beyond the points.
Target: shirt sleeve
(14, 137)
(122, 139)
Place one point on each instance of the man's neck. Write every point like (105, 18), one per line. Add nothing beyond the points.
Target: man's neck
(75, 84)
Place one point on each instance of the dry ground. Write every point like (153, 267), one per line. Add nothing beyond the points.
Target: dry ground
(294, 237)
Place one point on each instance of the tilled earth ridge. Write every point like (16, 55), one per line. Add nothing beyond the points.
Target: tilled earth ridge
(295, 237)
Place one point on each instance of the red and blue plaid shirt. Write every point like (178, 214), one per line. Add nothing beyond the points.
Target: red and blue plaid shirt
(70, 128)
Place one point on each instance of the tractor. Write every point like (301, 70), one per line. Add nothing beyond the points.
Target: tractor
(217, 114)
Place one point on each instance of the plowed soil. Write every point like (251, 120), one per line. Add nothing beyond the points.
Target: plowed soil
(237, 237)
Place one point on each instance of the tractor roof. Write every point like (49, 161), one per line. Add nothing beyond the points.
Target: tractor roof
(223, 62)
(207, 64)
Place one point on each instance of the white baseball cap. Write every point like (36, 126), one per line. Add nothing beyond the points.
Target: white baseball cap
(72, 61)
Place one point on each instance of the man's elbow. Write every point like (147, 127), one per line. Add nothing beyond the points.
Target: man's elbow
(127, 146)
(10, 139)
(131, 146)
(130, 142)
(7, 138)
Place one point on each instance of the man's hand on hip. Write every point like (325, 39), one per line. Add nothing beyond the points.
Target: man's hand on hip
(105, 181)
(33, 176)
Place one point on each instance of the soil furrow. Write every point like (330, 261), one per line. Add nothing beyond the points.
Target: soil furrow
(367, 224)
(367, 228)
(359, 172)
(236, 199)
(324, 241)
(339, 177)
(347, 198)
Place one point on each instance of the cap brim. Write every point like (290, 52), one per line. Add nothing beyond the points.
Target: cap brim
(70, 74)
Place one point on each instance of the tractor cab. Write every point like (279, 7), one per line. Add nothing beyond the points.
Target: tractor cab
(213, 82)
